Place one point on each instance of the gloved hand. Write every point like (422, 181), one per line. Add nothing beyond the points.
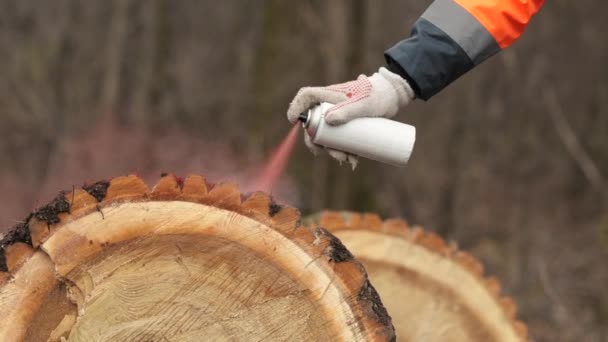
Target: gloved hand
(380, 95)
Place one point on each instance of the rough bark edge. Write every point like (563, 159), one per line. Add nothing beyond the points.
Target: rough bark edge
(68, 206)
(344, 220)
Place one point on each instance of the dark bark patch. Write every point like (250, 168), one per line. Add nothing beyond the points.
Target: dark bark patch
(98, 190)
(50, 212)
(3, 265)
(274, 209)
(19, 233)
(335, 251)
(370, 300)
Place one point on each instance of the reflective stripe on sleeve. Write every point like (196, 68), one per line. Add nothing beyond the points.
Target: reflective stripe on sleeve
(463, 28)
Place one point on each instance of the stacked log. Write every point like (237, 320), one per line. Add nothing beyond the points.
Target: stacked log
(183, 261)
(432, 290)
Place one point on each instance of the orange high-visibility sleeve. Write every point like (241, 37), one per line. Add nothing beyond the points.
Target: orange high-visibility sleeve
(505, 20)
(453, 36)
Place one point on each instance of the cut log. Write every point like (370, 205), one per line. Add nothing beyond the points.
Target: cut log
(433, 291)
(185, 261)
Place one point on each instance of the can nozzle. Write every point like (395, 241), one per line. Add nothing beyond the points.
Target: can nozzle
(303, 117)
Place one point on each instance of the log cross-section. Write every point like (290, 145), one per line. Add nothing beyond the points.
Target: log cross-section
(433, 291)
(184, 261)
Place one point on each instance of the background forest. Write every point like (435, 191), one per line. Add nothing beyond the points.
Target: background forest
(511, 161)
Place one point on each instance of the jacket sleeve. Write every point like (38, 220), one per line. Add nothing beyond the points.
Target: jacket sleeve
(453, 36)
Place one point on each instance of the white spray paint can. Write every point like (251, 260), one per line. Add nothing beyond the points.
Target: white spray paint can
(379, 139)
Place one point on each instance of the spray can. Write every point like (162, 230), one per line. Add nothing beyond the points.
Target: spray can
(379, 139)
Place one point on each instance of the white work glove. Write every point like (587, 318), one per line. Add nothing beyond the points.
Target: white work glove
(380, 95)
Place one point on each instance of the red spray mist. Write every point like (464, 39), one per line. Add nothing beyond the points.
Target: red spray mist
(275, 166)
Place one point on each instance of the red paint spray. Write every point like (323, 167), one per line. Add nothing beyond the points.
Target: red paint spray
(275, 166)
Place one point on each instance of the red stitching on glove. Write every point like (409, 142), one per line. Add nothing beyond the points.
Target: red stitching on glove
(354, 90)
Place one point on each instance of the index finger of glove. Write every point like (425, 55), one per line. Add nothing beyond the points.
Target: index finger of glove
(310, 96)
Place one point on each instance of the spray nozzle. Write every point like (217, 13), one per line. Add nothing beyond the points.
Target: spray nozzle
(303, 117)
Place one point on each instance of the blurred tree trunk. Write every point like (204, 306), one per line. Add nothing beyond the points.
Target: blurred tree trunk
(340, 28)
(115, 54)
(274, 26)
(342, 67)
(153, 81)
(41, 84)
